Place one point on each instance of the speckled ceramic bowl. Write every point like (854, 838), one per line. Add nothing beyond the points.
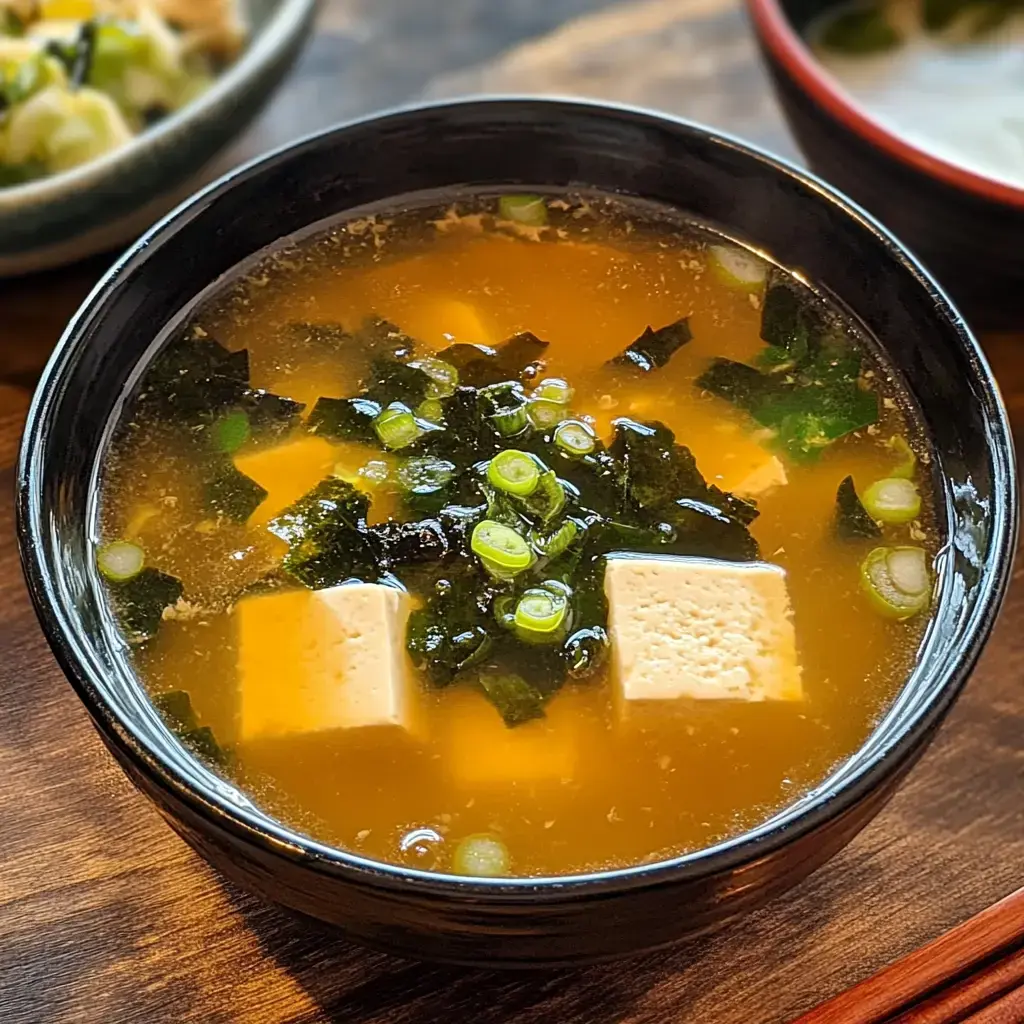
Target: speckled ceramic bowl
(108, 202)
(967, 228)
(497, 145)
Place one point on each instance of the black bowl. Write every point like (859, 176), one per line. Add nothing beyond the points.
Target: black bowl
(500, 143)
(966, 228)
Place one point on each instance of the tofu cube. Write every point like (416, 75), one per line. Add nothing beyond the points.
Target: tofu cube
(702, 629)
(481, 750)
(310, 661)
(761, 478)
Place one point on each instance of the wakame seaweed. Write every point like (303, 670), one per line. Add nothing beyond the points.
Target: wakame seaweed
(654, 348)
(230, 494)
(139, 603)
(643, 492)
(327, 536)
(853, 521)
(807, 389)
(176, 709)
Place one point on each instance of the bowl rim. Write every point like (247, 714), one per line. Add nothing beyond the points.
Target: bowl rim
(830, 800)
(280, 29)
(789, 49)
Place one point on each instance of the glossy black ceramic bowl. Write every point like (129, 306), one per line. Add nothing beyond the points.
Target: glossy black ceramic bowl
(968, 229)
(496, 144)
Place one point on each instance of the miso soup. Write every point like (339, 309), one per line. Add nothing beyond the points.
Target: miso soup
(518, 535)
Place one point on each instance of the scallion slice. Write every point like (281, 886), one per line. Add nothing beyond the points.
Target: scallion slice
(481, 856)
(396, 426)
(444, 378)
(506, 403)
(544, 414)
(554, 389)
(540, 615)
(524, 209)
(514, 472)
(896, 581)
(502, 551)
(431, 410)
(575, 438)
(892, 500)
(907, 466)
(551, 544)
(737, 268)
(120, 560)
(425, 474)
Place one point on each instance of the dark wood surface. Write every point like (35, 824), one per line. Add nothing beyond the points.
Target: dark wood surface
(107, 917)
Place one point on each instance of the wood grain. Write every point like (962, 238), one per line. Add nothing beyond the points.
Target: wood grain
(107, 918)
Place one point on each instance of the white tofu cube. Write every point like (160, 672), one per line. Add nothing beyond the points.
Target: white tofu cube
(771, 473)
(702, 629)
(326, 659)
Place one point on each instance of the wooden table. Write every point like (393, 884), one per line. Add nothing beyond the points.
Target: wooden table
(107, 917)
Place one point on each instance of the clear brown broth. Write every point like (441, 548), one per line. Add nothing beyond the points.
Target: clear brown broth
(671, 781)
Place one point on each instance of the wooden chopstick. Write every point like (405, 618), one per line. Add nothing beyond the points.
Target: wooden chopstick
(977, 968)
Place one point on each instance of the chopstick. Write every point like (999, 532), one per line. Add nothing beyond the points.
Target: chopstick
(974, 974)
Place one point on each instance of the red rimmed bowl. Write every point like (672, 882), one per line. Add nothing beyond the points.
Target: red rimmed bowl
(968, 229)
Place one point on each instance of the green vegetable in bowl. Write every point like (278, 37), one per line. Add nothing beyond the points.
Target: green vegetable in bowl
(896, 581)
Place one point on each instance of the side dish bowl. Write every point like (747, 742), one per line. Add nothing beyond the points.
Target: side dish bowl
(496, 143)
(103, 204)
(965, 227)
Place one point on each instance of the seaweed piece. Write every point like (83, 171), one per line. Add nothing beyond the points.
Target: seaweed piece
(229, 493)
(326, 535)
(468, 436)
(344, 419)
(862, 30)
(381, 338)
(453, 632)
(522, 356)
(654, 469)
(654, 348)
(478, 365)
(852, 519)
(139, 603)
(515, 699)
(392, 381)
(702, 529)
(195, 378)
(788, 325)
(811, 396)
(407, 544)
(271, 416)
(176, 709)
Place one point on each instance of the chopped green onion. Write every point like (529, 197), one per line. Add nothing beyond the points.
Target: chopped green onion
(375, 472)
(737, 268)
(892, 500)
(524, 209)
(554, 389)
(481, 856)
(544, 414)
(444, 378)
(507, 407)
(552, 544)
(575, 438)
(120, 560)
(514, 472)
(505, 611)
(230, 432)
(548, 499)
(396, 426)
(540, 615)
(907, 466)
(896, 581)
(502, 551)
(431, 410)
(425, 474)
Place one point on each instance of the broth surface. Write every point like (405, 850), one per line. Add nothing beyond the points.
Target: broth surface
(663, 782)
